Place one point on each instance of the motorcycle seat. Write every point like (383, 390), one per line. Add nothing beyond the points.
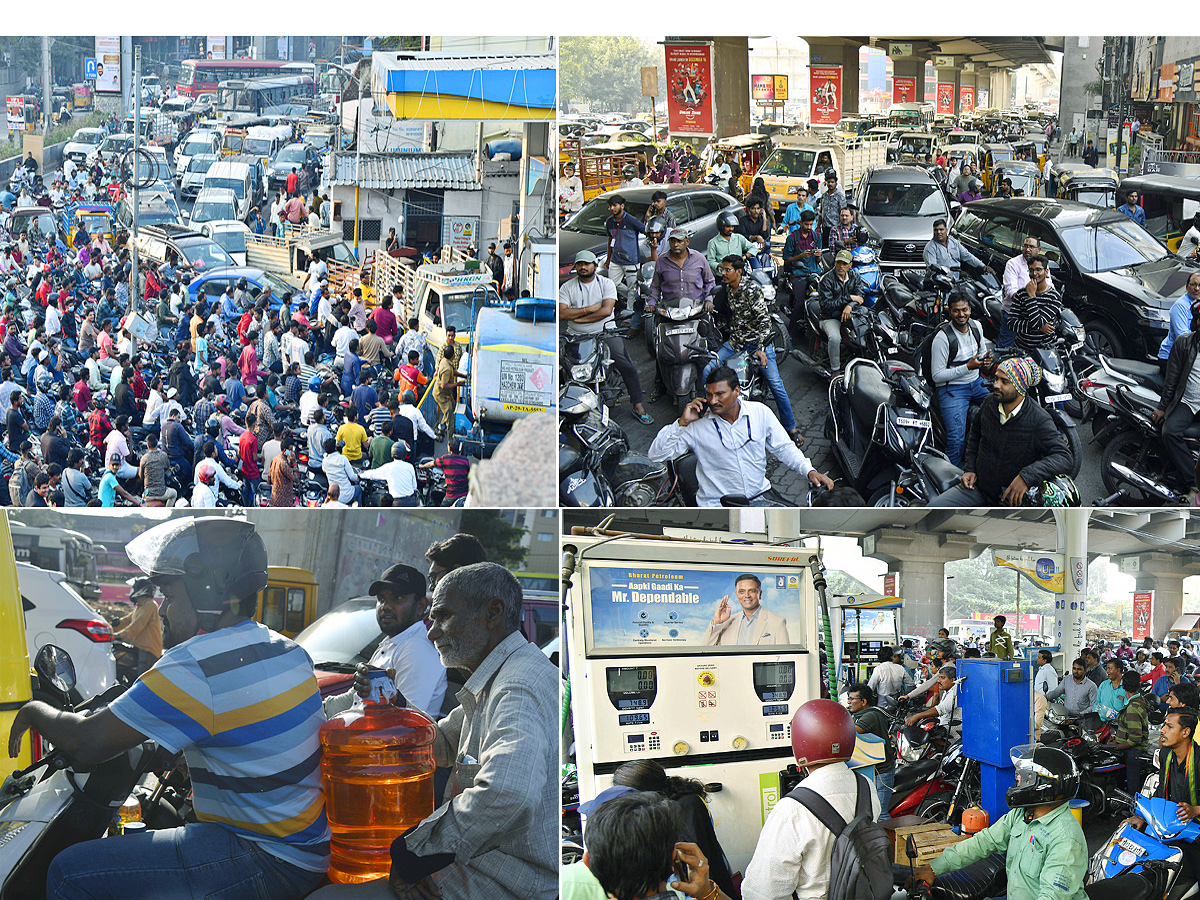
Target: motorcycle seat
(1123, 887)
(813, 305)
(944, 473)
(1145, 374)
(985, 878)
(868, 391)
(913, 279)
(899, 293)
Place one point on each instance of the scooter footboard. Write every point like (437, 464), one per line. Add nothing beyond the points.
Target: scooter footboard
(1125, 852)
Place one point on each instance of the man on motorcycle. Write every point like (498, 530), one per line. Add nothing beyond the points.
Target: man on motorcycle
(869, 718)
(1011, 444)
(839, 292)
(957, 352)
(216, 660)
(754, 225)
(143, 627)
(793, 215)
(1017, 280)
(1045, 852)
(751, 330)
(1132, 734)
(721, 172)
(948, 251)
(729, 242)
(1078, 691)
(1178, 757)
(679, 274)
(802, 265)
(947, 705)
(1179, 404)
(843, 235)
(732, 443)
(658, 207)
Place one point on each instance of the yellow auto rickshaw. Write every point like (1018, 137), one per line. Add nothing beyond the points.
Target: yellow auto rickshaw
(1024, 177)
(1087, 185)
(16, 686)
(749, 150)
(1169, 201)
(288, 604)
(993, 155)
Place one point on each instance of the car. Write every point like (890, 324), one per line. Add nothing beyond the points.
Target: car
(111, 148)
(694, 205)
(229, 234)
(300, 156)
(213, 204)
(197, 142)
(898, 205)
(155, 207)
(82, 143)
(56, 614)
(204, 254)
(212, 284)
(156, 177)
(1114, 274)
(24, 217)
(192, 178)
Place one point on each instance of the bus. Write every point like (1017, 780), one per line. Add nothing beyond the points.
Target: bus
(254, 96)
(202, 76)
(59, 550)
(113, 572)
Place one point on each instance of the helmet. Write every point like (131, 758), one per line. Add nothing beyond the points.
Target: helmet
(139, 586)
(657, 223)
(44, 382)
(629, 170)
(213, 425)
(399, 450)
(223, 403)
(207, 474)
(219, 559)
(1045, 775)
(975, 184)
(658, 161)
(314, 383)
(822, 732)
(727, 218)
(1057, 491)
(830, 173)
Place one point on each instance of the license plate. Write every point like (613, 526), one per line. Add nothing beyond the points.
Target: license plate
(1126, 844)
(681, 329)
(1058, 398)
(905, 422)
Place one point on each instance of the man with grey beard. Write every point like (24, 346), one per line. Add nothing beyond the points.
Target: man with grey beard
(495, 834)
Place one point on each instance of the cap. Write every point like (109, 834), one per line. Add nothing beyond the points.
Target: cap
(172, 393)
(612, 793)
(400, 578)
(844, 256)
(585, 256)
(680, 231)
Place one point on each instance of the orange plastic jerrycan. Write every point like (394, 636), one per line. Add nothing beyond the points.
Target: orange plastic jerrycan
(377, 769)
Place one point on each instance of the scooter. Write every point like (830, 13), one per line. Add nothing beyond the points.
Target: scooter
(42, 813)
(1141, 864)
(683, 338)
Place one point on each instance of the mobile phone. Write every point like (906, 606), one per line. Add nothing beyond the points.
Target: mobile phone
(681, 869)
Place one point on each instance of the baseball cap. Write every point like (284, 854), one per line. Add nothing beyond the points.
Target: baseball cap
(680, 231)
(400, 578)
(844, 256)
(585, 256)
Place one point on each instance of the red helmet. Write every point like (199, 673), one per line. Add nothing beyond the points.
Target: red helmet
(822, 732)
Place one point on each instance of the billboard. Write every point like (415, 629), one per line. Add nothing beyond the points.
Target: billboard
(459, 232)
(824, 95)
(216, 47)
(16, 113)
(904, 90)
(1044, 570)
(945, 98)
(1143, 603)
(762, 87)
(689, 89)
(108, 64)
(966, 99)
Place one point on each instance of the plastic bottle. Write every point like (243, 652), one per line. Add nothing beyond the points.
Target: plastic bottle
(377, 770)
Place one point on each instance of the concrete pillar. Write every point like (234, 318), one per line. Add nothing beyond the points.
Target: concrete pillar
(844, 53)
(911, 67)
(731, 88)
(1163, 573)
(921, 559)
(1070, 616)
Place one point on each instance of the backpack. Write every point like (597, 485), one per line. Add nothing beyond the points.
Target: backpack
(926, 351)
(860, 868)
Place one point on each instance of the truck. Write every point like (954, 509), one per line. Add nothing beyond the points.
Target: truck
(287, 255)
(798, 158)
(599, 167)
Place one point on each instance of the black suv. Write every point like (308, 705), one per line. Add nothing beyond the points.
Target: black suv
(1118, 278)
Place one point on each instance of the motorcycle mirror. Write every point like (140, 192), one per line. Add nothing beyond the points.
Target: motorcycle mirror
(54, 665)
(910, 847)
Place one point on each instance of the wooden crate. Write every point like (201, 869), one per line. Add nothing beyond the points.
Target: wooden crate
(931, 839)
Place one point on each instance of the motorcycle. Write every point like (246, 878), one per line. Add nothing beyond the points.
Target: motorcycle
(683, 344)
(586, 360)
(1097, 379)
(866, 335)
(1142, 864)
(880, 429)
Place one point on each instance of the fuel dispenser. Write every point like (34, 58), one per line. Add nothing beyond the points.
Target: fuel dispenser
(995, 701)
(655, 676)
(863, 624)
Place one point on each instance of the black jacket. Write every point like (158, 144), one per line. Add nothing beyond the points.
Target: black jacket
(835, 294)
(1030, 445)
(1179, 367)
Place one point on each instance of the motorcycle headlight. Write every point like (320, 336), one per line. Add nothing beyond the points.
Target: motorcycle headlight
(886, 328)
(769, 292)
(907, 751)
(919, 395)
(581, 372)
(1055, 718)
(1055, 381)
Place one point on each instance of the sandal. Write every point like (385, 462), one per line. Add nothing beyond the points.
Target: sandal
(797, 437)
(654, 397)
(645, 418)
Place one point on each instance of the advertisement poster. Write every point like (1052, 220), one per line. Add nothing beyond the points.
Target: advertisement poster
(689, 89)
(459, 231)
(667, 607)
(216, 47)
(983, 97)
(108, 64)
(762, 87)
(1044, 570)
(945, 99)
(16, 113)
(904, 90)
(966, 99)
(1143, 602)
(825, 95)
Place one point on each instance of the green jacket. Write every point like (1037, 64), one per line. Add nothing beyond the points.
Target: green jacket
(1045, 859)
(1001, 644)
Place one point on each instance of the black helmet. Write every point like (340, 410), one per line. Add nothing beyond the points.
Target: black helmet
(976, 184)
(399, 450)
(727, 218)
(657, 223)
(213, 426)
(242, 283)
(830, 173)
(219, 559)
(1045, 775)
(1057, 491)
(629, 170)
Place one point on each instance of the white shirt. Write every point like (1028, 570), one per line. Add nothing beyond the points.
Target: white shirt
(153, 406)
(204, 496)
(400, 476)
(414, 415)
(946, 707)
(794, 849)
(1187, 247)
(571, 190)
(420, 675)
(53, 321)
(1046, 679)
(889, 680)
(308, 405)
(410, 340)
(732, 459)
(1016, 276)
(510, 261)
(341, 341)
(293, 349)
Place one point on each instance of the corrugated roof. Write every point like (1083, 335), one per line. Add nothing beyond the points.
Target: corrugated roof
(449, 62)
(451, 171)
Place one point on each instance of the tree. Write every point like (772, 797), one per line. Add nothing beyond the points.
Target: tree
(605, 71)
(501, 540)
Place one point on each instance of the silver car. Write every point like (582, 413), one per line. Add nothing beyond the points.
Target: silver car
(897, 205)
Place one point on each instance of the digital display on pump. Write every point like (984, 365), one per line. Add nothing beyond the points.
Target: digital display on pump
(631, 687)
(774, 680)
(667, 608)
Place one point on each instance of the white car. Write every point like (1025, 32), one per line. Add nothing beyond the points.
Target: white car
(196, 143)
(213, 204)
(83, 143)
(56, 614)
(229, 234)
(193, 176)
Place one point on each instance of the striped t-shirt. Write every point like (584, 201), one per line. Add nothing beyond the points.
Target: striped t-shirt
(243, 705)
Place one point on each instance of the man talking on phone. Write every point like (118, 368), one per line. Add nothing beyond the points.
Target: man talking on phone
(957, 353)
(730, 437)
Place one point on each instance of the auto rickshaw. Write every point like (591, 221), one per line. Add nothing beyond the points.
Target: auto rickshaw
(1025, 178)
(1039, 145)
(1170, 202)
(601, 166)
(993, 155)
(1086, 184)
(915, 146)
(749, 150)
(96, 219)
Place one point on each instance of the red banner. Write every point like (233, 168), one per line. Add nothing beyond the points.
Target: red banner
(689, 89)
(904, 90)
(966, 99)
(824, 95)
(1143, 601)
(945, 99)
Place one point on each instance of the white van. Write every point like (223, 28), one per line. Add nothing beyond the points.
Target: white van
(237, 177)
